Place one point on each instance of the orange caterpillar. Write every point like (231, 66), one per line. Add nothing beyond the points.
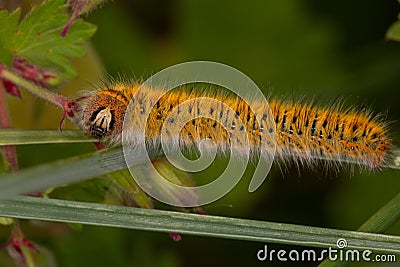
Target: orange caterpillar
(303, 132)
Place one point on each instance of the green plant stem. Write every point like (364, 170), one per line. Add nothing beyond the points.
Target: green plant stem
(33, 137)
(384, 218)
(194, 224)
(62, 172)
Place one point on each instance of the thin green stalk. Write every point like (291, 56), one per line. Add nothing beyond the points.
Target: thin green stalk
(33, 137)
(193, 224)
(384, 218)
(66, 171)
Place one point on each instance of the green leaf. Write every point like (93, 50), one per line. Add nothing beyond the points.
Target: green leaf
(393, 33)
(37, 37)
(9, 26)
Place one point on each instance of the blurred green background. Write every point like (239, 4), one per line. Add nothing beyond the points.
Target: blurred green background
(314, 49)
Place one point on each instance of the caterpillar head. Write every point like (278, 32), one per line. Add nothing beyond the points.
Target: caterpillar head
(103, 115)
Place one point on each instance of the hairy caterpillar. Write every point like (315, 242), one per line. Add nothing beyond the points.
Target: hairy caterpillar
(303, 131)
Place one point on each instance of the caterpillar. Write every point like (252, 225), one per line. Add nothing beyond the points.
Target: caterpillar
(303, 131)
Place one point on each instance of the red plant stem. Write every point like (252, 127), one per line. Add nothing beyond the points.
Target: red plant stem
(16, 243)
(69, 107)
(5, 122)
(43, 93)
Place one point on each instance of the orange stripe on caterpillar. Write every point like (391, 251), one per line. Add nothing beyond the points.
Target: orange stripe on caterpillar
(303, 132)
